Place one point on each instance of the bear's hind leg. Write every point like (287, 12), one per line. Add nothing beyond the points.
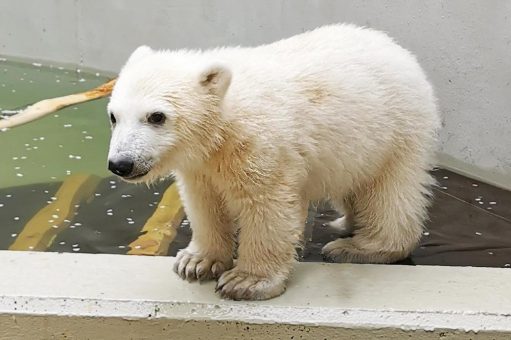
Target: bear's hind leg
(390, 212)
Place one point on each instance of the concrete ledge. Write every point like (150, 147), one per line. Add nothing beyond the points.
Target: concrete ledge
(50, 295)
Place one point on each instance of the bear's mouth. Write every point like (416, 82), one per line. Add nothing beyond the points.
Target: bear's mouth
(135, 177)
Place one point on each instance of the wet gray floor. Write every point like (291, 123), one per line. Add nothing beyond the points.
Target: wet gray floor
(470, 222)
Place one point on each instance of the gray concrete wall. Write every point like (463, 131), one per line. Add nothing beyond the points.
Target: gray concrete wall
(464, 45)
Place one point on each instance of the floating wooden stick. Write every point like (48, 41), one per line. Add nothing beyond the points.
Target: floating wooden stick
(47, 106)
(161, 228)
(42, 229)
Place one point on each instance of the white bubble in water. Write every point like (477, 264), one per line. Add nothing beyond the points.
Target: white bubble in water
(14, 235)
(68, 125)
(76, 249)
(62, 243)
(478, 233)
(19, 175)
(37, 64)
(16, 218)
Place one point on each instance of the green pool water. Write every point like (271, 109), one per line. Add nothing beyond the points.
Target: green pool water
(72, 140)
(36, 159)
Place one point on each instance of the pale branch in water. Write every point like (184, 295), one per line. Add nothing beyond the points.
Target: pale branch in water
(47, 106)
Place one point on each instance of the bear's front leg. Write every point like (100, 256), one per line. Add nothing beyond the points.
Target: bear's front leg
(270, 228)
(210, 251)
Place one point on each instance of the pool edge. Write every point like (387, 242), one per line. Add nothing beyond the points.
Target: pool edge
(325, 298)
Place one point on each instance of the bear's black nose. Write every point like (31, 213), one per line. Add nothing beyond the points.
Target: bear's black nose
(121, 167)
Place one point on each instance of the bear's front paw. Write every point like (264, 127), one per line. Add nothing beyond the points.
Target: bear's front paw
(236, 284)
(192, 266)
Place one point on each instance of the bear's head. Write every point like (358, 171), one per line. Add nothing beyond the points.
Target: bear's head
(165, 112)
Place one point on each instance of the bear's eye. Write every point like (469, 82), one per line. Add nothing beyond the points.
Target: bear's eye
(156, 118)
(112, 119)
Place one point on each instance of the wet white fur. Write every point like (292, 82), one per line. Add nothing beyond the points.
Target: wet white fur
(255, 134)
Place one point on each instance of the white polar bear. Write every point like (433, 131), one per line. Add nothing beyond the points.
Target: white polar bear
(253, 135)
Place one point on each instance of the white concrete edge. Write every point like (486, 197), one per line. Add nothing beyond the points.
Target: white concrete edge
(331, 295)
(257, 314)
(499, 179)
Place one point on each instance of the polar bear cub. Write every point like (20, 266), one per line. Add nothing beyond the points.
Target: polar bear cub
(252, 135)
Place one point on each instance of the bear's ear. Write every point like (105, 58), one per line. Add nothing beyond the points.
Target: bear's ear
(215, 79)
(140, 53)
